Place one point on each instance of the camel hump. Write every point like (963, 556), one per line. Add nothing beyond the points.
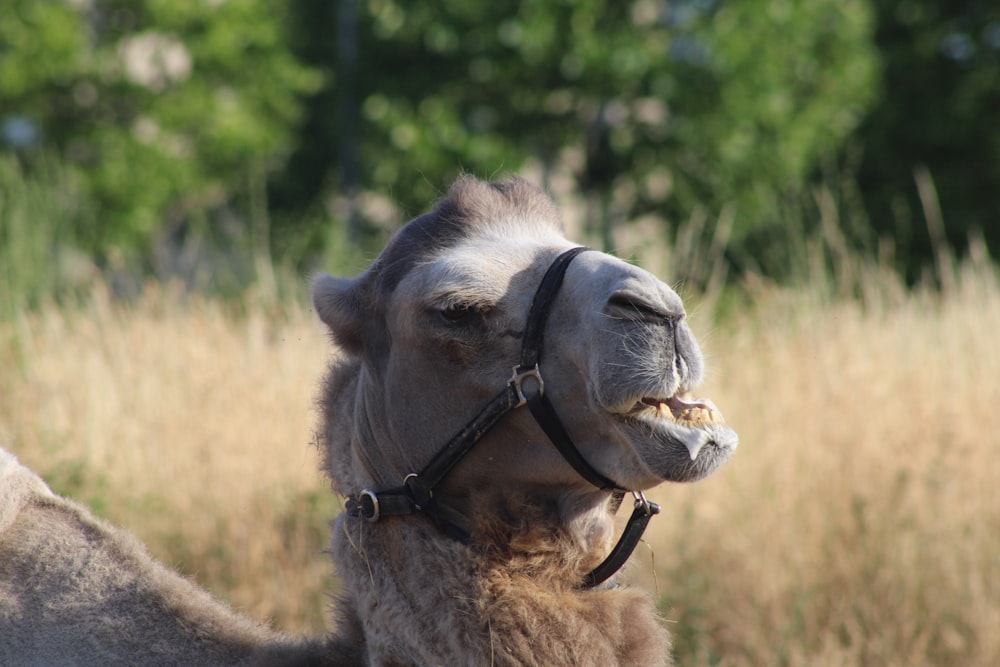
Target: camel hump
(18, 485)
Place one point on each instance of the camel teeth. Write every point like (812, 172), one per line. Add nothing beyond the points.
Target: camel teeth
(690, 412)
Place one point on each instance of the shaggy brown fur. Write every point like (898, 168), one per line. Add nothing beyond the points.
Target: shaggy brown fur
(529, 572)
(416, 598)
(77, 591)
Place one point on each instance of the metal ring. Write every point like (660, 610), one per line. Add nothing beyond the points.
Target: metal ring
(375, 509)
(649, 508)
(517, 379)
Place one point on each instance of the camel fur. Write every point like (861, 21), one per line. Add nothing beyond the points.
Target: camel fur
(75, 590)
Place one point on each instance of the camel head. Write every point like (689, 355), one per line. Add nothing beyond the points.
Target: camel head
(429, 333)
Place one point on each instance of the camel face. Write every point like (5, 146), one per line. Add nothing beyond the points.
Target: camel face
(433, 328)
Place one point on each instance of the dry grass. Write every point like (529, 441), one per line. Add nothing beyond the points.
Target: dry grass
(855, 525)
(191, 427)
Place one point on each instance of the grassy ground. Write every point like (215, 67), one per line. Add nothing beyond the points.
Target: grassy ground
(856, 525)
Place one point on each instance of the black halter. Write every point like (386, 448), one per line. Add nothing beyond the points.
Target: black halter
(417, 490)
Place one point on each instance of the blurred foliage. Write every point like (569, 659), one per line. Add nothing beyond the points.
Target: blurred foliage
(162, 107)
(767, 90)
(281, 129)
(39, 216)
(654, 107)
(939, 109)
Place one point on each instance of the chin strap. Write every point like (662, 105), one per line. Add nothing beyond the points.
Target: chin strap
(642, 512)
(417, 490)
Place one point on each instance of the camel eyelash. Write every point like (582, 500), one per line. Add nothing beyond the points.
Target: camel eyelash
(461, 311)
(458, 311)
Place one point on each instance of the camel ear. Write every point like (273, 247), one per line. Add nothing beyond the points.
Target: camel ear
(336, 302)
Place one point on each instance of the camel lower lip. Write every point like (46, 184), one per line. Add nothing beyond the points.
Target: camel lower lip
(690, 421)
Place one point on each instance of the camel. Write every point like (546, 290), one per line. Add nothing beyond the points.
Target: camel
(479, 523)
(473, 534)
(75, 590)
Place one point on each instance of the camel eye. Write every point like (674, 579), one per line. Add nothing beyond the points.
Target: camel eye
(457, 312)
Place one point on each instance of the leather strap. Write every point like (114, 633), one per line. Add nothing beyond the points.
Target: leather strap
(545, 414)
(398, 501)
(372, 506)
(531, 354)
(448, 457)
(636, 526)
(538, 315)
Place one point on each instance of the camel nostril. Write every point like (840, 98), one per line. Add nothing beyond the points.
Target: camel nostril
(633, 307)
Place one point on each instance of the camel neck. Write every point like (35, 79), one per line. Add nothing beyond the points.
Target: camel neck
(511, 598)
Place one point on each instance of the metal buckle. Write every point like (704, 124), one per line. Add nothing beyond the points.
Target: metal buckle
(370, 510)
(517, 379)
(416, 501)
(649, 508)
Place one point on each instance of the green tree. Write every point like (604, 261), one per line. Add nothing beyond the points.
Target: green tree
(765, 92)
(168, 110)
(662, 108)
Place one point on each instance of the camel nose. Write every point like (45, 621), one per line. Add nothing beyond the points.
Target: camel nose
(630, 306)
(689, 363)
(639, 295)
(645, 301)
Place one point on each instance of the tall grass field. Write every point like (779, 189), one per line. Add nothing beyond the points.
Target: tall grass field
(857, 524)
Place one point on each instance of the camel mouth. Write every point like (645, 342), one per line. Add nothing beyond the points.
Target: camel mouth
(689, 412)
(692, 422)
